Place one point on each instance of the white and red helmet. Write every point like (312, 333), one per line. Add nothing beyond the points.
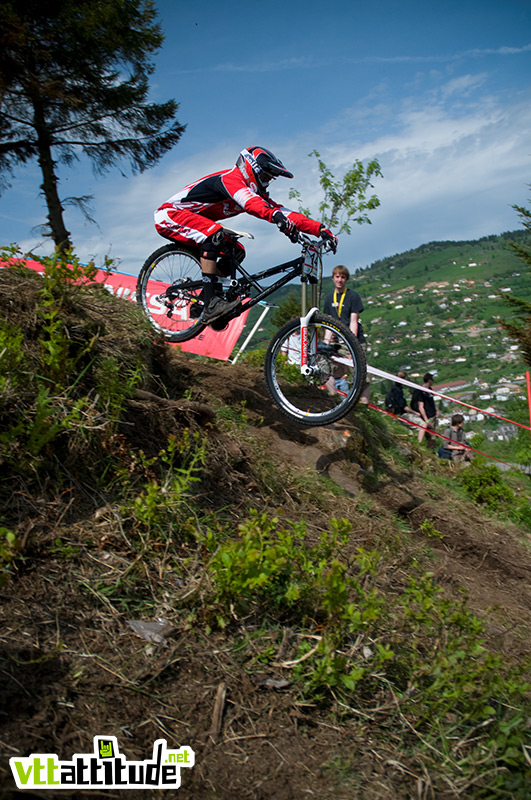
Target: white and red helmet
(260, 166)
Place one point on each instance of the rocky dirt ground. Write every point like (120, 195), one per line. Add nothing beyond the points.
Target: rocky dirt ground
(71, 667)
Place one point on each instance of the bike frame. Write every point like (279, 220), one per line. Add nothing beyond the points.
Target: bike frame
(309, 266)
(312, 274)
(293, 269)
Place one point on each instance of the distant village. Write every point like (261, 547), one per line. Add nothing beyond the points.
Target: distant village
(487, 394)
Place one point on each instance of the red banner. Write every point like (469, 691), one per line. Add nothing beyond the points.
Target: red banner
(208, 343)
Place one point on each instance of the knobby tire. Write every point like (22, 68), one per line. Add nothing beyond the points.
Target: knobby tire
(171, 264)
(306, 400)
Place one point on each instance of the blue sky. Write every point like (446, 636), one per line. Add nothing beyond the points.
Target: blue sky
(438, 93)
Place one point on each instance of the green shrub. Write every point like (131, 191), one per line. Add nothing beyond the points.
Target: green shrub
(484, 484)
(9, 546)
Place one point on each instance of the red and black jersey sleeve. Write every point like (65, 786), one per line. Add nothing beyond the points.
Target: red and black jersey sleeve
(264, 207)
(225, 194)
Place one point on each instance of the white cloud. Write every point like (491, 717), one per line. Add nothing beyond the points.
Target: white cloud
(464, 84)
(445, 177)
(449, 173)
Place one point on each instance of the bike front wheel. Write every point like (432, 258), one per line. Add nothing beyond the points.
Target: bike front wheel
(336, 369)
(169, 289)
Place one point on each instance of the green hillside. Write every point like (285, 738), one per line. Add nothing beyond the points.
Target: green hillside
(436, 308)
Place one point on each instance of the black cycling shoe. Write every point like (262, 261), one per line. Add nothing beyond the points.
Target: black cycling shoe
(218, 308)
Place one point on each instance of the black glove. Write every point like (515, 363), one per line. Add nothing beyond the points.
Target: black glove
(329, 237)
(286, 226)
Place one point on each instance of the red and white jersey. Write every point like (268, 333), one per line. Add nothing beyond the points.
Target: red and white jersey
(227, 193)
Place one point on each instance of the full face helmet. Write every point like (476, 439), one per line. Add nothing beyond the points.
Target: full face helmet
(260, 166)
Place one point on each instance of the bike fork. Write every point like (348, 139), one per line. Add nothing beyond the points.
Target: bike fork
(308, 342)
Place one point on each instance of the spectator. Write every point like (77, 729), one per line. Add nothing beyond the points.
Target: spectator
(395, 400)
(424, 404)
(454, 449)
(346, 305)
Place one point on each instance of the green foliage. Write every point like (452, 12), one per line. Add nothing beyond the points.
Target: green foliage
(255, 358)
(357, 643)
(114, 385)
(520, 326)
(61, 387)
(236, 414)
(484, 484)
(286, 310)
(65, 550)
(158, 506)
(522, 251)
(428, 529)
(345, 200)
(9, 546)
(11, 355)
(270, 564)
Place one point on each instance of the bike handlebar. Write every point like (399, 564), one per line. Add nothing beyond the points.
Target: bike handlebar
(306, 240)
(302, 239)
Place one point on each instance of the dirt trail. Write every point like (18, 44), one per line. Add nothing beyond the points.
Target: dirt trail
(71, 669)
(477, 553)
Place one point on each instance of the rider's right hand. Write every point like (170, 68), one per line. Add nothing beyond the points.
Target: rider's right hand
(286, 226)
(328, 237)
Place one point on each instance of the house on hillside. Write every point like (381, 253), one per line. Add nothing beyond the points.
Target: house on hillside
(452, 386)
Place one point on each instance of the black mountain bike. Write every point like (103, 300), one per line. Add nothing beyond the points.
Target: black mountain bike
(304, 358)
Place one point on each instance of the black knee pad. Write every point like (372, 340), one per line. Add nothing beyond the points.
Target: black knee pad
(211, 247)
(210, 251)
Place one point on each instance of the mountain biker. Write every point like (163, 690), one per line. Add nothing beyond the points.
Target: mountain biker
(191, 216)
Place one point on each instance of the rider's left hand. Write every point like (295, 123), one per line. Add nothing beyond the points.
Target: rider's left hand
(329, 237)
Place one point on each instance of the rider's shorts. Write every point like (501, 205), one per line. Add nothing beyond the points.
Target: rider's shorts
(183, 226)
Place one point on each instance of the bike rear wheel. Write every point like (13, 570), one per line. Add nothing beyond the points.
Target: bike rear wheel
(333, 353)
(168, 289)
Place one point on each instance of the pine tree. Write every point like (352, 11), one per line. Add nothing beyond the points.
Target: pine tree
(74, 80)
(520, 327)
